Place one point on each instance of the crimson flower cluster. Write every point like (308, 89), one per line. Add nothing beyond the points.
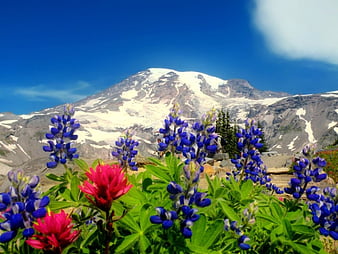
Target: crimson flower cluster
(125, 151)
(248, 164)
(61, 137)
(21, 206)
(105, 184)
(54, 233)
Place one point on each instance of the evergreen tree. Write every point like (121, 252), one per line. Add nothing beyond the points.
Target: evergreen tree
(265, 147)
(227, 132)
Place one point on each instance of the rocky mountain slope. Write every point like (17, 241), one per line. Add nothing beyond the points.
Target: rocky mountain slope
(142, 101)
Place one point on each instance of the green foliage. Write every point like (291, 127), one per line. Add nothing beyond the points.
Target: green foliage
(227, 129)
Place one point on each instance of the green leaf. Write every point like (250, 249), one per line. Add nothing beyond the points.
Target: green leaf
(144, 218)
(276, 212)
(198, 228)
(266, 218)
(57, 205)
(81, 164)
(54, 177)
(303, 229)
(74, 188)
(127, 243)
(229, 212)
(66, 195)
(299, 248)
(155, 161)
(160, 172)
(213, 232)
(144, 243)
(246, 189)
(97, 162)
(92, 234)
(130, 222)
(287, 228)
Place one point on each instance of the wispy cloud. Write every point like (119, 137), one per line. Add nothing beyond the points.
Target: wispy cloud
(44, 92)
(299, 29)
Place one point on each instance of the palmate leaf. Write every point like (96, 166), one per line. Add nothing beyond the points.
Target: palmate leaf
(57, 205)
(74, 188)
(246, 189)
(127, 243)
(229, 212)
(204, 235)
(160, 172)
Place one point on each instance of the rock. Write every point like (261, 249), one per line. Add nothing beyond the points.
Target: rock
(221, 156)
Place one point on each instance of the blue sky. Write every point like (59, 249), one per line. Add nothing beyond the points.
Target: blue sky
(54, 52)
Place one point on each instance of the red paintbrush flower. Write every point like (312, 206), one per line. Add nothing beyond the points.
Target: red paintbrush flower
(54, 232)
(107, 183)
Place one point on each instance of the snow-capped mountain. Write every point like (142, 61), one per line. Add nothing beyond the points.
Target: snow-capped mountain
(142, 101)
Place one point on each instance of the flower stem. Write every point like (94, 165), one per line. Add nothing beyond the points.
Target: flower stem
(109, 228)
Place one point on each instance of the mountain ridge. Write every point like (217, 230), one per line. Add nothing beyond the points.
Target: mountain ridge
(143, 100)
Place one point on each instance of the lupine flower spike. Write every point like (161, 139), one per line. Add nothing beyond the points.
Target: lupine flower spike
(61, 137)
(194, 145)
(323, 204)
(248, 164)
(125, 151)
(53, 233)
(21, 206)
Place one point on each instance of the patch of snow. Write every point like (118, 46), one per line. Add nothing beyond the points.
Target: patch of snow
(330, 125)
(280, 136)
(129, 94)
(5, 161)
(292, 143)
(308, 129)
(335, 129)
(20, 147)
(100, 146)
(1, 115)
(9, 147)
(329, 95)
(14, 138)
(93, 102)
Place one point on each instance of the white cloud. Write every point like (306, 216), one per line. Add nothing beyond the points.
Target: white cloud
(43, 92)
(300, 29)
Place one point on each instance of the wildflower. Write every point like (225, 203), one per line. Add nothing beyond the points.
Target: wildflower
(21, 206)
(61, 137)
(306, 169)
(54, 233)
(164, 217)
(194, 144)
(324, 210)
(125, 151)
(106, 183)
(248, 164)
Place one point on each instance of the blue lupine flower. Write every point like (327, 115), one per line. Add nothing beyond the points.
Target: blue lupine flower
(164, 217)
(125, 151)
(324, 210)
(238, 229)
(306, 170)
(242, 244)
(61, 137)
(21, 206)
(248, 164)
(194, 144)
